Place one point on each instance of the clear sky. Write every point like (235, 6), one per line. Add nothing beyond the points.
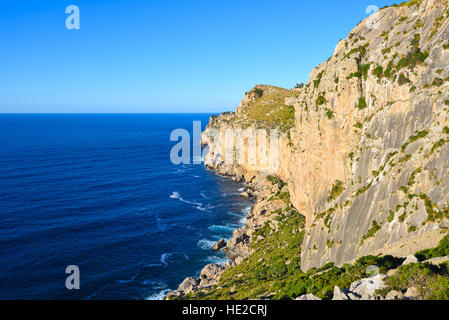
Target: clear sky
(162, 55)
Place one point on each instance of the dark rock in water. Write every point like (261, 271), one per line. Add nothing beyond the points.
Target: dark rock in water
(219, 245)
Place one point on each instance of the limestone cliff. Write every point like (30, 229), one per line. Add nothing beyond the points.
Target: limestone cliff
(363, 145)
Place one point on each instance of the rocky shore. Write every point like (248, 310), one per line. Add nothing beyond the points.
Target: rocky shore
(259, 188)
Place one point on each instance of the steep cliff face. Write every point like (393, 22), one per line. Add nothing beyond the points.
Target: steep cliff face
(387, 141)
(364, 145)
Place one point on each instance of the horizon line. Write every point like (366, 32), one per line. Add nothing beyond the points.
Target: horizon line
(105, 113)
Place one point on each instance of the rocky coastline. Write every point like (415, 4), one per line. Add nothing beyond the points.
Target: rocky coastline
(238, 247)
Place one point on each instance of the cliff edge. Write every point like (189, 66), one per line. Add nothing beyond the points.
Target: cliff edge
(363, 151)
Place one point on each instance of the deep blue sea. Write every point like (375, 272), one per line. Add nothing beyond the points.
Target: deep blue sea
(100, 192)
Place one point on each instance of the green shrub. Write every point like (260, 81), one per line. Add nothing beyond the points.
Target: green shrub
(320, 100)
(258, 92)
(317, 81)
(354, 75)
(418, 135)
(413, 58)
(437, 82)
(431, 281)
(441, 250)
(363, 69)
(361, 50)
(359, 125)
(378, 71)
(275, 180)
(403, 79)
(362, 104)
(372, 231)
(337, 189)
(391, 216)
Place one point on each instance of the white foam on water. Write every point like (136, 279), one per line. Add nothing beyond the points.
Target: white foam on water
(158, 296)
(223, 228)
(246, 210)
(197, 205)
(164, 258)
(159, 286)
(217, 260)
(206, 244)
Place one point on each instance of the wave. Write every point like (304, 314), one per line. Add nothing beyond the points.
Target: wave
(164, 258)
(127, 281)
(158, 296)
(246, 210)
(206, 244)
(217, 260)
(159, 286)
(234, 214)
(223, 228)
(197, 205)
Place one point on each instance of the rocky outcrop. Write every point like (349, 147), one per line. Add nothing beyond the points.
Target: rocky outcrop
(219, 245)
(410, 259)
(366, 288)
(308, 297)
(340, 294)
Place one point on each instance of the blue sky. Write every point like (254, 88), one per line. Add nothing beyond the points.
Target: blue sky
(162, 55)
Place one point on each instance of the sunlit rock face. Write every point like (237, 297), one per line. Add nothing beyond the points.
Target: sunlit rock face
(363, 145)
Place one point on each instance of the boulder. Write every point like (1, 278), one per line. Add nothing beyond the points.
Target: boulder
(394, 295)
(367, 297)
(410, 259)
(188, 285)
(219, 245)
(369, 285)
(171, 295)
(308, 297)
(353, 296)
(210, 275)
(412, 293)
(437, 261)
(246, 194)
(339, 294)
